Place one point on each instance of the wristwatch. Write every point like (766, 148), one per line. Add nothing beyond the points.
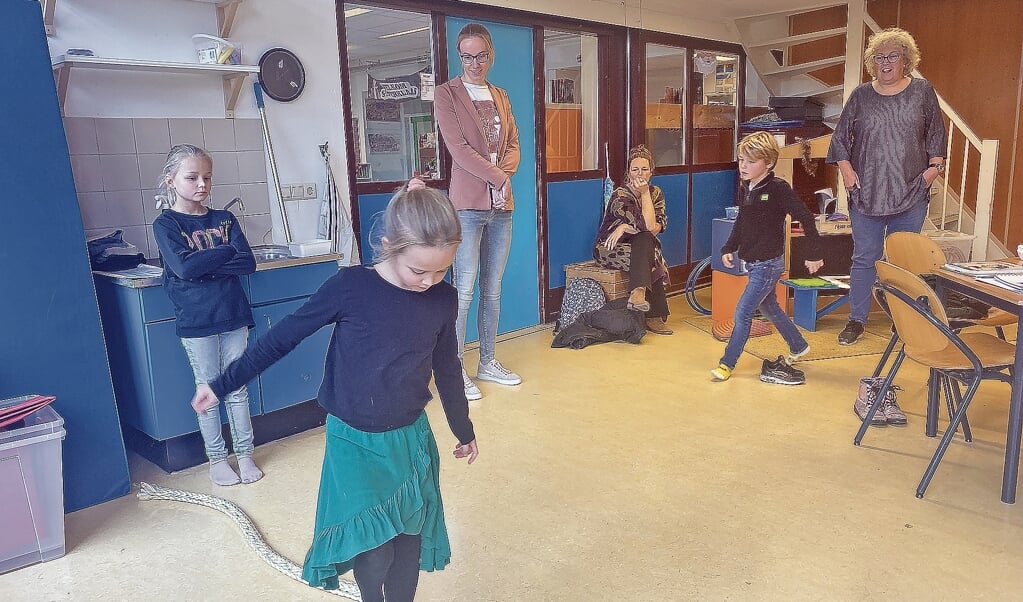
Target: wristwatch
(938, 166)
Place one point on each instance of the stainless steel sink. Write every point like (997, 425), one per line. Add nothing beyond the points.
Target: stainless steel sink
(264, 253)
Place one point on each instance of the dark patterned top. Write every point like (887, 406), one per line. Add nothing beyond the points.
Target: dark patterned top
(889, 140)
(490, 119)
(624, 208)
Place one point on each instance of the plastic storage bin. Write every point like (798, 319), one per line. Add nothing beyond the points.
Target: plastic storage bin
(31, 490)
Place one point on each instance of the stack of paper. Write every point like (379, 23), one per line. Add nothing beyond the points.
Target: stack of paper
(1013, 282)
(984, 268)
(16, 408)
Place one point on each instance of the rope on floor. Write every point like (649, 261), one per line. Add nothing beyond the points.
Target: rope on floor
(346, 588)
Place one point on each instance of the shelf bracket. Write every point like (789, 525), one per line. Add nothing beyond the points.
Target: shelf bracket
(226, 12)
(61, 76)
(232, 89)
(48, 6)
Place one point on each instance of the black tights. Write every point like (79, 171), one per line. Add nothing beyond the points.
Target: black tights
(391, 569)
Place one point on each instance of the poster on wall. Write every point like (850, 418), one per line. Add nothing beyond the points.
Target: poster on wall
(384, 143)
(383, 110)
(396, 88)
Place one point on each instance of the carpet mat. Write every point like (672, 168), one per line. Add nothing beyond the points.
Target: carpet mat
(823, 342)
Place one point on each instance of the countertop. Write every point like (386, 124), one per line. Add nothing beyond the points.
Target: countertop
(147, 275)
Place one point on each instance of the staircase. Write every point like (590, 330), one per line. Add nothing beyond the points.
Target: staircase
(817, 53)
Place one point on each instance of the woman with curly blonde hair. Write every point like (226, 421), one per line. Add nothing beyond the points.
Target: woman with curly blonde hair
(889, 146)
(627, 239)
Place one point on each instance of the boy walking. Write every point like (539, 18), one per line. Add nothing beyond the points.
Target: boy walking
(758, 236)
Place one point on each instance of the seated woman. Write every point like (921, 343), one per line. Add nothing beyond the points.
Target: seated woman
(627, 239)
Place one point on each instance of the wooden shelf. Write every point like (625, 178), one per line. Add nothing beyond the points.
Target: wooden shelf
(226, 12)
(232, 75)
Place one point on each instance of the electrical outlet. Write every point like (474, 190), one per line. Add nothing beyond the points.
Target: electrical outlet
(310, 191)
(286, 193)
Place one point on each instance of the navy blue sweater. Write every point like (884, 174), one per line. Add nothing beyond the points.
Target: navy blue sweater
(203, 255)
(759, 232)
(387, 341)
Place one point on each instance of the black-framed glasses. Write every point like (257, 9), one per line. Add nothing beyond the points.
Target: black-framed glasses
(480, 59)
(892, 58)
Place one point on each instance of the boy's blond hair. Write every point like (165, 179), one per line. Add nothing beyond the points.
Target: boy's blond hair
(759, 145)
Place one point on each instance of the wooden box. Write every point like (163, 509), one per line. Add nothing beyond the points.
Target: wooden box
(614, 282)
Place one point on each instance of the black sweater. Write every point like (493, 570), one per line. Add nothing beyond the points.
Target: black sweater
(759, 231)
(203, 257)
(387, 342)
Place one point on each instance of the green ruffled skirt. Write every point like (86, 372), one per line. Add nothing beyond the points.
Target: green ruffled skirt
(375, 486)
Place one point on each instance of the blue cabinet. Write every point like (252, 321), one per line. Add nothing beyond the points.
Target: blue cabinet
(153, 381)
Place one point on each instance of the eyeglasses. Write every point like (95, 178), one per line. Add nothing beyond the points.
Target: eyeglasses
(892, 58)
(480, 59)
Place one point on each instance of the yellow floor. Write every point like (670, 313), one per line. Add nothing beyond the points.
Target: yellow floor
(616, 472)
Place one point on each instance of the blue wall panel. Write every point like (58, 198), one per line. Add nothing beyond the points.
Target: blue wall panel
(574, 210)
(676, 206)
(50, 323)
(712, 192)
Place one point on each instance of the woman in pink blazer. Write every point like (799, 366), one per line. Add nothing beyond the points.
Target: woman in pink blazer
(478, 129)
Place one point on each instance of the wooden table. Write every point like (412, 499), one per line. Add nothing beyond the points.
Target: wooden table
(1011, 302)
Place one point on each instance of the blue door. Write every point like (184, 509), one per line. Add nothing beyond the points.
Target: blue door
(513, 71)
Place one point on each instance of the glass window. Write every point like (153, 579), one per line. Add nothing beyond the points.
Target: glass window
(390, 66)
(665, 82)
(714, 117)
(570, 92)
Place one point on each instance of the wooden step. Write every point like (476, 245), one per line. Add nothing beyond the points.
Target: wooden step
(799, 39)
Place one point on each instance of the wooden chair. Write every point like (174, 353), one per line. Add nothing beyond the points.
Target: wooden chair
(921, 255)
(922, 324)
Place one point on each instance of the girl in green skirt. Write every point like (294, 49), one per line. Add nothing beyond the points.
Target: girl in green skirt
(379, 510)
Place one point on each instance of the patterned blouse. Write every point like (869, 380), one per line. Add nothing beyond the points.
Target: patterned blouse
(624, 208)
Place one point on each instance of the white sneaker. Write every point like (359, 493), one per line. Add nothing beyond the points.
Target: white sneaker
(794, 357)
(496, 373)
(472, 392)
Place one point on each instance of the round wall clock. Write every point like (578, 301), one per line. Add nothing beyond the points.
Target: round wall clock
(281, 74)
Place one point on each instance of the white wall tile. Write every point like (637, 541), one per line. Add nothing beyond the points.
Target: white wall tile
(81, 135)
(120, 172)
(248, 134)
(185, 131)
(218, 134)
(251, 167)
(255, 227)
(256, 198)
(124, 208)
(224, 193)
(93, 208)
(115, 136)
(153, 250)
(150, 168)
(87, 172)
(225, 167)
(151, 136)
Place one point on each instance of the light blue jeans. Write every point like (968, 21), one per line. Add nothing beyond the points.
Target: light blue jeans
(869, 232)
(759, 293)
(486, 242)
(208, 357)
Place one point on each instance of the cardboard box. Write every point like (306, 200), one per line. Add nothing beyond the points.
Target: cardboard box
(614, 282)
(31, 491)
(826, 227)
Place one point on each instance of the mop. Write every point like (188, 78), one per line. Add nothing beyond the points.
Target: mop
(346, 588)
(273, 161)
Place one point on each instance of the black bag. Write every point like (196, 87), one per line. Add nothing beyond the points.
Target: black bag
(581, 295)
